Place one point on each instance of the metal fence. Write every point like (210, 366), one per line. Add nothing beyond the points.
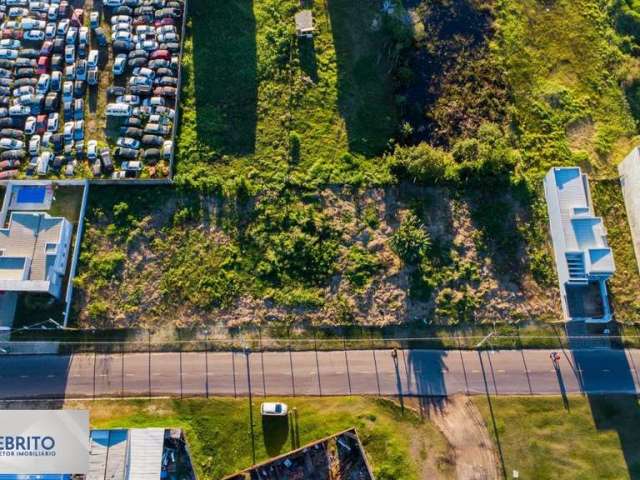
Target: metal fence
(488, 342)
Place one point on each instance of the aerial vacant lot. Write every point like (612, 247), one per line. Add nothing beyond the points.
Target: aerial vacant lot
(386, 172)
(595, 437)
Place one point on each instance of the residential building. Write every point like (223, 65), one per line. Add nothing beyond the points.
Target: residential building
(584, 260)
(34, 249)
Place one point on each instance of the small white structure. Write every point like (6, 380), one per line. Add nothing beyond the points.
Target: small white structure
(629, 170)
(33, 253)
(584, 260)
(304, 24)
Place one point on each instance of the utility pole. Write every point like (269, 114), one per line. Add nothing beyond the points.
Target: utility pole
(247, 352)
(206, 361)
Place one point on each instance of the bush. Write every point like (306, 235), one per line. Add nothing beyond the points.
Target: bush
(411, 241)
(294, 147)
(106, 265)
(424, 163)
(361, 265)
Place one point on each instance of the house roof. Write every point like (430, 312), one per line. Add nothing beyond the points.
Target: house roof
(304, 21)
(30, 235)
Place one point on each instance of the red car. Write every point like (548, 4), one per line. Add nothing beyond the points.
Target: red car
(164, 21)
(8, 174)
(10, 33)
(41, 124)
(43, 65)
(46, 49)
(163, 54)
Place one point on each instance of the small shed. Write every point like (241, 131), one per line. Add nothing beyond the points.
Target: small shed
(304, 24)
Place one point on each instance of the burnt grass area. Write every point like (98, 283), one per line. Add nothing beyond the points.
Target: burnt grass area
(449, 84)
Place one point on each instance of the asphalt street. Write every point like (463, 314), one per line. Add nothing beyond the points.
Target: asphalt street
(365, 372)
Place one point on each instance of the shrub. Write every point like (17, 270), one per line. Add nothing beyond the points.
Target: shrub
(424, 163)
(294, 147)
(411, 241)
(360, 266)
(106, 265)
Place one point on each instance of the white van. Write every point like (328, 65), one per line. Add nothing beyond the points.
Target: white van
(43, 162)
(118, 110)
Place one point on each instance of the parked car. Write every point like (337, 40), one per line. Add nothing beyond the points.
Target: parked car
(119, 64)
(274, 409)
(11, 144)
(94, 19)
(105, 158)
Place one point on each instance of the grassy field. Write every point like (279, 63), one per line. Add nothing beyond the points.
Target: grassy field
(398, 155)
(596, 438)
(252, 87)
(398, 445)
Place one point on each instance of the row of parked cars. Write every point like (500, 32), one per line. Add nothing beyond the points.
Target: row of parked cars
(145, 40)
(46, 63)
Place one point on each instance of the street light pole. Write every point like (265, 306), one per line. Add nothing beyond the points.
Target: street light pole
(247, 352)
(206, 362)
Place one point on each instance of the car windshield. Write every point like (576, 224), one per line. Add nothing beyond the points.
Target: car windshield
(278, 408)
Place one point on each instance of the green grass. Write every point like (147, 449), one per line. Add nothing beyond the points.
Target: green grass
(594, 439)
(249, 82)
(219, 438)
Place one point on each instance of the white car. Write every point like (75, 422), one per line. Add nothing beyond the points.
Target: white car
(119, 64)
(92, 150)
(52, 13)
(69, 54)
(120, 19)
(68, 131)
(34, 35)
(83, 36)
(11, 144)
(148, 45)
(127, 142)
(67, 90)
(121, 27)
(144, 72)
(81, 70)
(72, 35)
(34, 145)
(50, 31)
(93, 58)
(46, 139)
(53, 122)
(43, 163)
(24, 90)
(7, 53)
(19, 110)
(29, 23)
(167, 149)
(122, 35)
(43, 83)
(30, 126)
(9, 43)
(15, 12)
(56, 81)
(274, 409)
(63, 27)
(130, 99)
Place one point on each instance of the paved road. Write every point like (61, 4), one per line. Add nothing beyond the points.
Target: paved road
(413, 373)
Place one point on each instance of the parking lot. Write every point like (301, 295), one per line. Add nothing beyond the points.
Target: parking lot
(88, 89)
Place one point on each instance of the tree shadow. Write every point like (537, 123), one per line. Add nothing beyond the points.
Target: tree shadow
(609, 369)
(365, 94)
(226, 83)
(307, 56)
(275, 431)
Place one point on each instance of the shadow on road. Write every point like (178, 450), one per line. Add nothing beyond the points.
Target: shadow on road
(425, 378)
(609, 368)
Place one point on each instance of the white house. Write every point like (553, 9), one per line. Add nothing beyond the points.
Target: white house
(33, 253)
(584, 260)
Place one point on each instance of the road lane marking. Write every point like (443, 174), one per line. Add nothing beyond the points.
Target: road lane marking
(51, 376)
(24, 376)
(606, 370)
(501, 371)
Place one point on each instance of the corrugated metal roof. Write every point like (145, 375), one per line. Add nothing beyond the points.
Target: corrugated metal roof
(145, 453)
